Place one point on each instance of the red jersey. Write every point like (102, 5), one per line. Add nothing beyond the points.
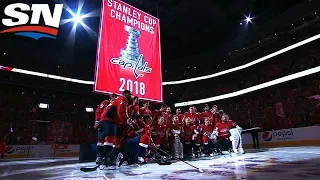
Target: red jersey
(187, 132)
(133, 111)
(207, 114)
(159, 134)
(194, 118)
(167, 118)
(116, 111)
(180, 117)
(157, 114)
(216, 118)
(146, 129)
(206, 130)
(223, 129)
(137, 128)
(144, 111)
(100, 108)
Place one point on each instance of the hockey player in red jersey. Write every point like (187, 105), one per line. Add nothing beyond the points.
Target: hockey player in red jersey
(179, 115)
(135, 149)
(158, 113)
(216, 114)
(167, 116)
(159, 133)
(134, 110)
(206, 114)
(145, 109)
(3, 146)
(98, 112)
(159, 136)
(113, 121)
(187, 133)
(206, 130)
(222, 129)
(193, 116)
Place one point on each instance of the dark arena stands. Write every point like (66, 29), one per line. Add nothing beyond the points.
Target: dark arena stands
(60, 115)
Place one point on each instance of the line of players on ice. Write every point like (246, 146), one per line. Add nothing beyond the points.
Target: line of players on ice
(139, 133)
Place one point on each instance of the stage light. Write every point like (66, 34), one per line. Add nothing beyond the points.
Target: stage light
(89, 109)
(248, 19)
(77, 18)
(43, 106)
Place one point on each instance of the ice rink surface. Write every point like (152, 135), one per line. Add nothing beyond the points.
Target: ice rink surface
(268, 164)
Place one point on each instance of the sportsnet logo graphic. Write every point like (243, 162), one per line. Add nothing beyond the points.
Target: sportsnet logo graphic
(267, 136)
(19, 22)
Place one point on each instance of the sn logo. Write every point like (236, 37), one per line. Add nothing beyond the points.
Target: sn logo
(19, 22)
(52, 20)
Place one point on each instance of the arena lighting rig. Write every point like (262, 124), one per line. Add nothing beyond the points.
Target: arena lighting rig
(77, 18)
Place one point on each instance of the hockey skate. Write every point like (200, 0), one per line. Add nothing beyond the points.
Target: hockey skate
(99, 160)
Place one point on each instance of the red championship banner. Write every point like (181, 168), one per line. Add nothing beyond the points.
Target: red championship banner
(128, 54)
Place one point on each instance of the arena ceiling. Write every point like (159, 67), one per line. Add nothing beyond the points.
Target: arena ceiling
(187, 27)
(193, 26)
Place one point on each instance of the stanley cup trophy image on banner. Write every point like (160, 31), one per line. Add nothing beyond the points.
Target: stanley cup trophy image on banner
(128, 55)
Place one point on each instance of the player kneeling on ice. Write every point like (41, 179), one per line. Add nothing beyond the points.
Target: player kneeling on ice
(206, 130)
(223, 134)
(159, 136)
(136, 148)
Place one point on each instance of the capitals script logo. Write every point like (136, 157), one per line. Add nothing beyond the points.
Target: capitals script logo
(267, 136)
(139, 67)
(19, 22)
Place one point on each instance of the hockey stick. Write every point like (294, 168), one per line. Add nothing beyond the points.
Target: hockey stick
(166, 153)
(90, 169)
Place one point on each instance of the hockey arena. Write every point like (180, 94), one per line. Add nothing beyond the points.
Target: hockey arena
(159, 89)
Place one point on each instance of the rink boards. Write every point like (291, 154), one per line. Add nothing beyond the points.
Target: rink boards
(305, 136)
(38, 151)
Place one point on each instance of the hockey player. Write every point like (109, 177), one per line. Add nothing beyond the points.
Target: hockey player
(206, 114)
(216, 114)
(159, 113)
(3, 146)
(167, 116)
(98, 113)
(159, 133)
(159, 136)
(187, 132)
(134, 110)
(222, 129)
(136, 148)
(206, 130)
(145, 109)
(236, 138)
(179, 115)
(174, 132)
(193, 116)
(114, 124)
